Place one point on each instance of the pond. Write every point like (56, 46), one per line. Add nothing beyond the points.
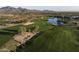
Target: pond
(55, 21)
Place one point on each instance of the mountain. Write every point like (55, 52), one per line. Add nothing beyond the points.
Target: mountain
(9, 9)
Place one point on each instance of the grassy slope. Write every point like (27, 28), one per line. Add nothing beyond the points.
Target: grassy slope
(7, 34)
(55, 39)
(43, 25)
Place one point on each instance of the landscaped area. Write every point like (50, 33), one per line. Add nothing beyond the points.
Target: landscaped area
(7, 34)
(52, 38)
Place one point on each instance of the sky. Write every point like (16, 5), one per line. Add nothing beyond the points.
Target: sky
(55, 8)
(56, 5)
(52, 8)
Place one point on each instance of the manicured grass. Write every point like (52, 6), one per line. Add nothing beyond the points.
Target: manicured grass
(43, 25)
(7, 34)
(4, 38)
(58, 38)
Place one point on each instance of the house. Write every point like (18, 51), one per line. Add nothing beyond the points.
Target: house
(12, 21)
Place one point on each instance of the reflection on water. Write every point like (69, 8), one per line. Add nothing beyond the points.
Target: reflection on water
(55, 21)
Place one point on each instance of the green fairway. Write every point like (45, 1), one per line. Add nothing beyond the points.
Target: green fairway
(7, 34)
(52, 38)
(4, 38)
(43, 25)
(56, 39)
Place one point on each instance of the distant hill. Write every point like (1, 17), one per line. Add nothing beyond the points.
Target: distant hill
(13, 10)
(9, 9)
